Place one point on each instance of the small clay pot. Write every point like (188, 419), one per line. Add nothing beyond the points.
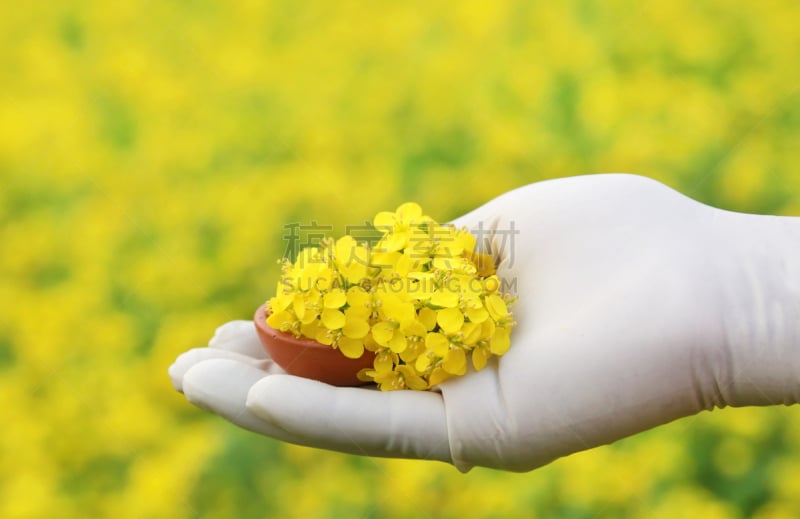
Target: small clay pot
(308, 358)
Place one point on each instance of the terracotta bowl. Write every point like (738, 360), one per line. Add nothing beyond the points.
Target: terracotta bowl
(308, 358)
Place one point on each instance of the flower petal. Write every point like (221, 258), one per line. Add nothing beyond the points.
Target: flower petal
(355, 326)
(383, 362)
(408, 212)
(324, 336)
(412, 351)
(310, 329)
(450, 320)
(491, 284)
(487, 329)
(309, 316)
(500, 341)
(496, 306)
(332, 319)
(365, 375)
(299, 306)
(479, 358)
(398, 342)
(382, 332)
(477, 315)
(471, 333)
(437, 376)
(455, 362)
(415, 328)
(444, 299)
(411, 379)
(422, 363)
(359, 300)
(280, 302)
(393, 241)
(437, 343)
(427, 316)
(351, 348)
(384, 221)
(280, 320)
(335, 299)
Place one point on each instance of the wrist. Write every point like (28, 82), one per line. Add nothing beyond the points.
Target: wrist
(760, 316)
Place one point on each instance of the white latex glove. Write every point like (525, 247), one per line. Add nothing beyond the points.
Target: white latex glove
(637, 306)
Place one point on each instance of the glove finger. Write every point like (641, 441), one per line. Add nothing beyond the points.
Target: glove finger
(221, 385)
(239, 336)
(401, 424)
(189, 359)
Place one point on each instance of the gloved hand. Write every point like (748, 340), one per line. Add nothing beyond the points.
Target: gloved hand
(637, 306)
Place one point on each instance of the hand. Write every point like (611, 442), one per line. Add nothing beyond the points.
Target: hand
(637, 306)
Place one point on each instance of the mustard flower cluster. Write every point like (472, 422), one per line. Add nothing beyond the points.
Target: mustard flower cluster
(422, 299)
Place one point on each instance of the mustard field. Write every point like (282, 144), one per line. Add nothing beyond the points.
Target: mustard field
(152, 155)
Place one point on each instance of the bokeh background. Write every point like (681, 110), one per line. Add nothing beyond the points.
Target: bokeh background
(151, 153)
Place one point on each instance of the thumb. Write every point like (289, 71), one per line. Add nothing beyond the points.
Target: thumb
(399, 424)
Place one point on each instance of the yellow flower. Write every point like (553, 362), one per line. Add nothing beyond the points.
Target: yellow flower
(421, 285)
(437, 376)
(311, 329)
(427, 317)
(282, 300)
(497, 307)
(411, 379)
(282, 320)
(437, 343)
(310, 270)
(484, 263)
(487, 329)
(382, 332)
(414, 328)
(397, 226)
(402, 377)
(470, 333)
(491, 284)
(414, 349)
(387, 335)
(477, 315)
(386, 261)
(351, 259)
(423, 361)
(398, 342)
(325, 336)
(359, 301)
(392, 308)
(307, 306)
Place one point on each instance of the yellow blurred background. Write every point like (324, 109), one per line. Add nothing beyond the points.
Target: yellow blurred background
(151, 153)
